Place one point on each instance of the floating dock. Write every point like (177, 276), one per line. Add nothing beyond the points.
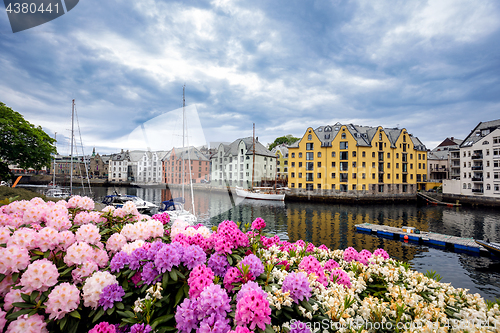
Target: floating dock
(458, 244)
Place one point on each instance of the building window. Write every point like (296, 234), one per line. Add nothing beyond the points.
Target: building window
(309, 176)
(343, 135)
(319, 154)
(333, 175)
(309, 156)
(293, 185)
(373, 154)
(363, 164)
(319, 175)
(344, 166)
(354, 176)
(353, 154)
(300, 174)
(344, 155)
(309, 187)
(353, 164)
(363, 154)
(333, 154)
(343, 145)
(309, 137)
(333, 164)
(293, 174)
(310, 146)
(373, 176)
(300, 185)
(319, 164)
(300, 164)
(364, 187)
(293, 155)
(333, 186)
(300, 155)
(309, 166)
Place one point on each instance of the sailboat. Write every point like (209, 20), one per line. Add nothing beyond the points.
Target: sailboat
(175, 207)
(259, 193)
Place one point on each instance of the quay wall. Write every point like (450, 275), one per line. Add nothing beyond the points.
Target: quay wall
(470, 200)
(357, 197)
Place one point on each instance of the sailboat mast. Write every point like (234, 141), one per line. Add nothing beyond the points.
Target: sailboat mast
(253, 165)
(54, 175)
(72, 131)
(183, 136)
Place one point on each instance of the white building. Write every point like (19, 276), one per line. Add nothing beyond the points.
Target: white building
(232, 165)
(139, 166)
(479, 163)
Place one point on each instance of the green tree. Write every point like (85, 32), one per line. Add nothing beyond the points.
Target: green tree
(288, 139)
(21, 143)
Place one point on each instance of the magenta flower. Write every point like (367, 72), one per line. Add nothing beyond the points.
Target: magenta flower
(341, 277)
(364, 256)
(382, 253)
(253, 310)
(199, 278)
(350, 254)
(258, 224)
(103, 327)
(233, 275)
(331, 264)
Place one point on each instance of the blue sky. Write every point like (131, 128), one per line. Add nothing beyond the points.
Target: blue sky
(432, 67)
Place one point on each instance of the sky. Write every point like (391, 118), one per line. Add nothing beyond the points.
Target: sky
(431, 67)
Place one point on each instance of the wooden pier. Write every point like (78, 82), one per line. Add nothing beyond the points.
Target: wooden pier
(458, 244)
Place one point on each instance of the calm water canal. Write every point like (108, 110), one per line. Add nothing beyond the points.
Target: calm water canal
(333, 225)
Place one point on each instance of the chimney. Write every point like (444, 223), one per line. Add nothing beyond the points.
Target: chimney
(257, 138)
(452, 138)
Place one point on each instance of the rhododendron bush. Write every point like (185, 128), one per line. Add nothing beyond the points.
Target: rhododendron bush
(67, 268)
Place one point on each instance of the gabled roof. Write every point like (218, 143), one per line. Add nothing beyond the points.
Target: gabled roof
(362, 134)
(479, 132)
(187, 153)
(259, 148)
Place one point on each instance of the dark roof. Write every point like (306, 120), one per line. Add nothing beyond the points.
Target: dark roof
(480, 131)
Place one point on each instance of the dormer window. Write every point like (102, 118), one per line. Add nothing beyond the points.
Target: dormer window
(343, 135)
(320, 129)
(328, 129)
(309, 137)
(380, 136)
(327, 136)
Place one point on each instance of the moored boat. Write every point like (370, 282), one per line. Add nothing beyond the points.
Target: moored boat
(118, 200)
(261, 193)
(493, 248)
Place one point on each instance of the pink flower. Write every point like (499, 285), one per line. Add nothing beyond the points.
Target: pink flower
(311, 265)
(34, 213)
(341, 277)
(88, 233)
(83, 271)
(48, 239)
(66, 238)
(25, 324)
(5, 285)
(382, 253)
(3, 321)
(78, 253)
(103, 327)
(331, 264)
(23, 237)
(116, 242)
(13, 296)
(40, 275)
(253, 310)
(350, 254)
(363, 256)
(14, 258)
(4, 233)
(233, 275)
(94, 285)
(258, 224)
(77, 201)
(63, 299)
(199, 278)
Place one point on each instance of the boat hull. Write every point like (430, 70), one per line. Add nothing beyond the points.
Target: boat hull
(493, 248)
(259, 196)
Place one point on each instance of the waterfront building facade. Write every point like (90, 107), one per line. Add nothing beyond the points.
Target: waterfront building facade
(443, 162)
(352, 158)
(118, 167)
(232, 165)
(99, 165)
(196, 166)
(63, 165)
(281, 153)
(479, 163)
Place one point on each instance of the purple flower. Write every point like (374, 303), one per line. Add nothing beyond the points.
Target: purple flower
(214, 324)
(299, 327)
(119, 261)
(218, 264)
(193, 256)
(168, 256)
(149, 273)
(153, 250)
(111, 294)
(250, 285)
(213, 299)
(186, 316)
(140, 328)
(136, 257)
(298, 286)
(256, 267)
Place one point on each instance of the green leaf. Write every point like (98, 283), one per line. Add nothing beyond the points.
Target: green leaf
(161, 320)
(25, 298)
(179, 296)
(127, 314)
(15, 276)
(33, 296)
(110, 311)
(22, 305)
(269, 329)
(69, 269)
(74, 328)
(307, 306)
(75, 314)
(2, 277)
(229, 260)
(164, 281)
(131, 274)
(186, 290)
(98, 315)
(173, 275)
(13, 316)
(120, 306)
(62, 323)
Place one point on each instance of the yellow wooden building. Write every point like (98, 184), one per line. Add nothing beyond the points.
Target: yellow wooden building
(349, 158)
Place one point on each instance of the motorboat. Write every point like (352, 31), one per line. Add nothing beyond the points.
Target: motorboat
(493, 248)
(118, 200)
(57, 193)
(175, 209)
(261, 193)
